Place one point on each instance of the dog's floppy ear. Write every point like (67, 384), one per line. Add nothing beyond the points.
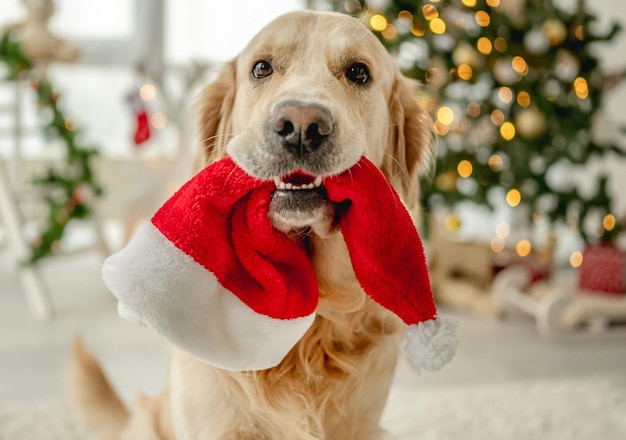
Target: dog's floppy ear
(214, 108)
(410, 142)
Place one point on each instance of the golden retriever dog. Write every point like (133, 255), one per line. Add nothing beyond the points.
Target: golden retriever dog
(312, 91)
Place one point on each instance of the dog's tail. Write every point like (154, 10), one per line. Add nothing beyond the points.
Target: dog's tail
(97, 405)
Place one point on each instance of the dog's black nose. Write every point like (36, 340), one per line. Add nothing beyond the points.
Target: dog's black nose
(301, 127)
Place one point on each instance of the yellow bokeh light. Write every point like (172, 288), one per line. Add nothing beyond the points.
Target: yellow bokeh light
(451, 222)
(507, 131)
(608, 222)
(430, 12)
(438, 26)
(500, 44)
(464, 168)
(378, 22)
(493, 3)
(147, 92)
(390, 32)
(576, 259)
(581, 88)
(523, 248)
(496, 244)
(418, 29)
(405, 15)
(469, 3)
(495, 162)
(464, 71)
(523, 99)
(482, 18)
(497, 117)
(441, 129)
(519, 65)
(505, 95)
(503, 229)
(513, 198)
(445, 115)
(484, 45)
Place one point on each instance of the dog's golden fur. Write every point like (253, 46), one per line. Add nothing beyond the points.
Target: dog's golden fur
(334, 382)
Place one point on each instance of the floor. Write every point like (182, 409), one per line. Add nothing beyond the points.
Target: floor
(33, 354)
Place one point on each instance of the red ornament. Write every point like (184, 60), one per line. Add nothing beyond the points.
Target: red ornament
(603, 270)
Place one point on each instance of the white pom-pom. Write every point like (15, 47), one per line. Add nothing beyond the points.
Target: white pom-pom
(431, 344)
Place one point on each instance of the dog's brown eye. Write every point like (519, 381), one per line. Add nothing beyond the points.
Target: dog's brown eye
(358, 73)
(262, 69)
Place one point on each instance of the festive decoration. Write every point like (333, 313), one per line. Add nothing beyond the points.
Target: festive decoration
(514, 88)
(603, 269)
(213, 276)
(138, 107)
(68, 189)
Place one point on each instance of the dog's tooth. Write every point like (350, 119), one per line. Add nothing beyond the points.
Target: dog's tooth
(282, 185)
(296, 187)
(288, 186)
(277, 181)
(310, 186)
(317, 182)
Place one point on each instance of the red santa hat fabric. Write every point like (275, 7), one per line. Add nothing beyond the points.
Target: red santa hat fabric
(212, 275)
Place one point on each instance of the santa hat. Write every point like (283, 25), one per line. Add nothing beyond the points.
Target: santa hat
(211, 274)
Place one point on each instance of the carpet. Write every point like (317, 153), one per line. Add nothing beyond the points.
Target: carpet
(551, 410)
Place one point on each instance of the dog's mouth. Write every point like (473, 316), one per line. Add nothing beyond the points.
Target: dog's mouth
(298, 181)
(300, 200)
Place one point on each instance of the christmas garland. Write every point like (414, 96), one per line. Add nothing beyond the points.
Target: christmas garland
(68, 188)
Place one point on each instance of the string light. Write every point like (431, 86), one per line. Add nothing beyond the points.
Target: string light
(497, 117)
(430, 12)
(469, 3)
(609, 222)
(503, 230)
(438, 26)
(505, 94)
(147, 92)
(523, 248)
(576, 259)
(495, 162)
(493, 3)
(473, 109)
(390, 32)
(484, 45)
(418, 29)
(445, 115)
(497, 244)
(482, 18)
(507, 131)
(378, 22)
(464, 168)
(500, 44)
(580, 87)
(523, 99)
(441, 129)
(158, 120)
(405, 16)
(519, 65)
(464, 71)
(513, 198)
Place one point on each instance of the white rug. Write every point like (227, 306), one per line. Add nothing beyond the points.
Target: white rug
(565, 410)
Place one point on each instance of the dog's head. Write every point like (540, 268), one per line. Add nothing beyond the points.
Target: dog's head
(309, 95)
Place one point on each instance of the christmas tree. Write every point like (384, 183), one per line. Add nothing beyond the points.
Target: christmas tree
(514, 87)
